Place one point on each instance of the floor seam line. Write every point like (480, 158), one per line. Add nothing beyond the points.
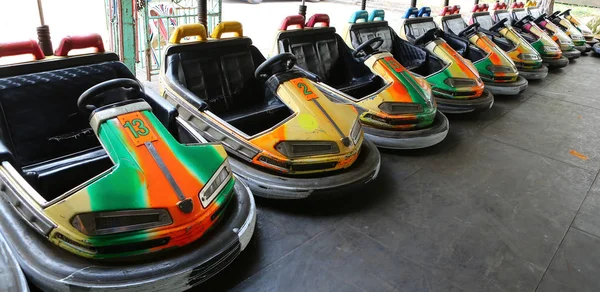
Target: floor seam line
(540, 154)
(583, 231)
(567, 101)
(566, 232)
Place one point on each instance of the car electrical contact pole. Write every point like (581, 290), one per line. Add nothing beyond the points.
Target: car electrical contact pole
(43, 32)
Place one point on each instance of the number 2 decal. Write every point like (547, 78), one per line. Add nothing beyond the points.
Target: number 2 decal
(304, 89)
(139, 124)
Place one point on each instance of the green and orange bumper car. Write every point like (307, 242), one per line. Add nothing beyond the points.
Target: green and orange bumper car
(456, 85)
(285, 137)
(586, 31)
(540, 26)
(103, 187)
(528, 61)
(498, 71)
(396, 108)
(548, 49)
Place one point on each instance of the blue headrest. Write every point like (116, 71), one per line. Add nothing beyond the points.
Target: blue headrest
(377, 14)
(358, 15)
(411, 12)
(425, 11)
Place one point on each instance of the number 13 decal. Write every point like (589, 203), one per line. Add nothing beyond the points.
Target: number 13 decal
(137, 128)
(304, 88)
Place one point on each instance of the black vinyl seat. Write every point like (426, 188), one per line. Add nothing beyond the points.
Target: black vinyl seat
(43, 133)
(485, 23)
(410, 56)
(221, 74)
(322, 52)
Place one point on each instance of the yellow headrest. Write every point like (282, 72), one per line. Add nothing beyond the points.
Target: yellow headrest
(228, 26)
(188, 30)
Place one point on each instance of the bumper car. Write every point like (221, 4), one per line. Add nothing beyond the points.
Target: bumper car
(396, 109)
(572, 31)
(586, 31)
(102, 187)
(285, 138)
(522, 18)
(552, 24)
(455, 81)
(495, 67)
(550, 51)
(526, 58)
(451, 96)
(11, 276)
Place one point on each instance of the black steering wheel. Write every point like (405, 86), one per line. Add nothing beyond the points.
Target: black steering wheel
(471, 29)
(377, 41)
(521, 22)
(555, 14)
(498, 25)
(430, 35)
(276, 64)
(540, 18)
(85, 103)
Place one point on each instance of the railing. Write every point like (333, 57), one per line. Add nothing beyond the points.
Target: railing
(155, 21)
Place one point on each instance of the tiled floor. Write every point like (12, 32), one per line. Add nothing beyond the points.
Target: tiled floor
(508, 202)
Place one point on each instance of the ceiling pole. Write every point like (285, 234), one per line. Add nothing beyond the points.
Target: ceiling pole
(363, 5)
(302, 9)
(43, 32)
(447, 2)
(203, 13)
(413, 3)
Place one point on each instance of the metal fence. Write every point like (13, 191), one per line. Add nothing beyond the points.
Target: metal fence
(155, 21)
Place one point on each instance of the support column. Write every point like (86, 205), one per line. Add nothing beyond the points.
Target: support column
(127, 34)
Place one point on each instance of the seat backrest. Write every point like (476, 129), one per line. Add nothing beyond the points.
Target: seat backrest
(320, 51)
(39, 118)
(408, 55)
(221, 73)
(519, 13)
(484, 19)
(417, 27)
(453, 23)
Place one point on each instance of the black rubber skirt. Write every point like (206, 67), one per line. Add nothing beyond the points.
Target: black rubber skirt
(329, 185)
(465, 105)
(411, 139)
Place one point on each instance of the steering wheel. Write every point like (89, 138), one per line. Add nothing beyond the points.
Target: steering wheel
(378, 41)
(469, 29)
(498, 24)
(522, 21)
(540, 18)
(85, 101)
(430, 35)
(276, 64)
(555, 14)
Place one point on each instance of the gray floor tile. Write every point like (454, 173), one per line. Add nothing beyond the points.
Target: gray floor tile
(588, 218)
(477, 218)
(553, 128)
(576, 265)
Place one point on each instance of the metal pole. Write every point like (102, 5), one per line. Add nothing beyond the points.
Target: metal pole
(302, 9)
(476, 2)
(447, 2)
(413, 3)
(43, 32)
(363, 5)
(127, 34)
(203, 13)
